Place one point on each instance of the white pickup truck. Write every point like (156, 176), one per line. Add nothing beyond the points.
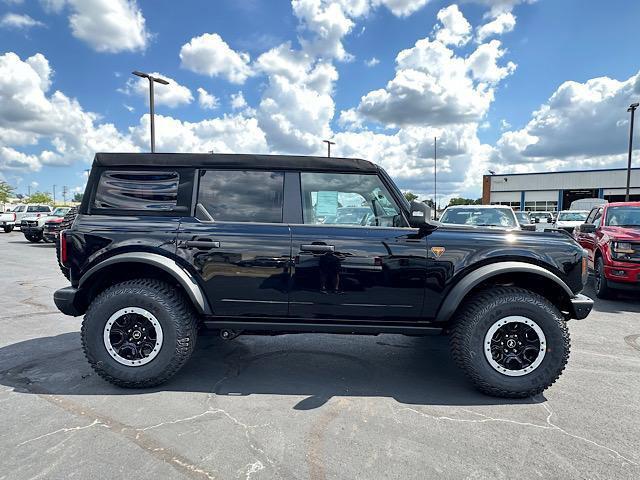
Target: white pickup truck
(11, 219)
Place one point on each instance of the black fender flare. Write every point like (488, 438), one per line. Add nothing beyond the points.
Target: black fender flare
(474, 278)
(182, 276)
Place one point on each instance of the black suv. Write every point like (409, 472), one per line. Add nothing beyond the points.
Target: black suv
(166, 244)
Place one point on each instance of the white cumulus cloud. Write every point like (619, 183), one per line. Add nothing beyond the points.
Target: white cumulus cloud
(503, 23)
(172, 95)
(206, 100)
(210, 55)
(110, 26)
(19, 21)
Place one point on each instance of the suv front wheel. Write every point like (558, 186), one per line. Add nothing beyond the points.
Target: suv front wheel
(139, 333)
(510, 342)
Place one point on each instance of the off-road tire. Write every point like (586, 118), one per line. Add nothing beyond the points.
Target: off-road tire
(66, 223)
(601, 284)
(173, 311)
(7, 229)
(33, 238)
(485, 308)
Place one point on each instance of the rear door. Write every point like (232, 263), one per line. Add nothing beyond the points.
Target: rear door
(354, 256)
(238, 243)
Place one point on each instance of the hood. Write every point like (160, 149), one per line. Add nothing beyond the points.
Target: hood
(622, 233)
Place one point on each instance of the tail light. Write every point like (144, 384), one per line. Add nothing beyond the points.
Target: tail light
(64, 250)
(14, 217)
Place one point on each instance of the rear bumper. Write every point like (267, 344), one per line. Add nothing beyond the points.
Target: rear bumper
(7, 224)
(68, 301)
(581, 306)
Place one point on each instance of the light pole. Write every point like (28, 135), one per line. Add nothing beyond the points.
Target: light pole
(151, 106)
(329, 143)
(632, 109)
(435, 177)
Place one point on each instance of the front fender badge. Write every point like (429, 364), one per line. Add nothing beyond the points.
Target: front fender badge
(437, 251)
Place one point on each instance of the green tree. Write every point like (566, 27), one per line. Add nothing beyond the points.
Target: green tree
(40, 197)
(6, 191)
(78, 197)
(410, 196)
(429, 203)
(464, 201)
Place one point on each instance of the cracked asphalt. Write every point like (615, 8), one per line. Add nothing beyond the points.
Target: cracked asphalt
(303, 406)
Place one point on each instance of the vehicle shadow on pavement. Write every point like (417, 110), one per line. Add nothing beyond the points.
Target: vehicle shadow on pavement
(411, 370)
(624, 301)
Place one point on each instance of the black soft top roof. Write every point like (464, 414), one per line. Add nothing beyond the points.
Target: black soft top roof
(226, 160)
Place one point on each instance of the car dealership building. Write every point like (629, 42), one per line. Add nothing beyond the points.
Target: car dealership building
(554, 191)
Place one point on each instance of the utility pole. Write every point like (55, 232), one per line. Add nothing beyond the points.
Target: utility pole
(151, 103)
(435, 177)
(54, 194)
(28, 190)
(329, 143)
(632, 109)
(64, 194)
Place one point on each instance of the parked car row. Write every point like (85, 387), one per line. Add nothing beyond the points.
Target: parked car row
(36, 222)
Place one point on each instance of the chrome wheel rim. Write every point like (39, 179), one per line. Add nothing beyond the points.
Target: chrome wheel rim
(515, 346)
(133, 336)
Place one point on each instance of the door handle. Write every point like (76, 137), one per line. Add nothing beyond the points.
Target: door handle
(201, 244)
(317, 248)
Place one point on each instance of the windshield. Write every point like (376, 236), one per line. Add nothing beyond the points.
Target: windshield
(60, 212)
(523, 217)
(623, 216)
(572, 216)
(480, 217)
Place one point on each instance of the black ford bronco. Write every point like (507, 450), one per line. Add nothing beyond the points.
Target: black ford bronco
(166, 244)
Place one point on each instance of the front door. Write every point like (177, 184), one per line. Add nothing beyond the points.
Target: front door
(354, 257)
(238, 244)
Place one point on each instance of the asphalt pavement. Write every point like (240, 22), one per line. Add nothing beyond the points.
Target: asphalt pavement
(303, 406)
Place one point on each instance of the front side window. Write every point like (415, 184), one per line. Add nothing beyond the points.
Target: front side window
(240, 196)
(348, 199)
(598, 218)
(137, 190)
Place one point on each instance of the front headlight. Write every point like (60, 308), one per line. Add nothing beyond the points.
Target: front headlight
(621, 250)
(623, 247)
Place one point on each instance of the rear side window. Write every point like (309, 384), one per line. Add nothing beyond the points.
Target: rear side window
(138, 190)
(38, 208)
(241, 196)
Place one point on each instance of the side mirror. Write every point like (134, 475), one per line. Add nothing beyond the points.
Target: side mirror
(549, 220)
(536, 220)
(420, 214)
(587, 228)
(528, 227)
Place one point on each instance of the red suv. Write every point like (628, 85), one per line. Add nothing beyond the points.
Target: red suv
(611, 235)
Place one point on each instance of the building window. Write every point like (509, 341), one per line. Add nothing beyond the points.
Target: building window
(541, 206)
(515, 205)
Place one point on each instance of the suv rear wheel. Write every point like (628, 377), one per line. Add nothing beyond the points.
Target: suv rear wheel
(33, 238)
(8, 229)
(139, 333)
(510, 342)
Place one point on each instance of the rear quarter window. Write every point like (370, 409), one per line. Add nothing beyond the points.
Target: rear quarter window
(142, 191)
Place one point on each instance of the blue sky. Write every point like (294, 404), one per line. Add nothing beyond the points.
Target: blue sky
(301, 68)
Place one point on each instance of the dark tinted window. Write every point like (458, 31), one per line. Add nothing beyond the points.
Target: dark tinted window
(137, 190)
(241, 196)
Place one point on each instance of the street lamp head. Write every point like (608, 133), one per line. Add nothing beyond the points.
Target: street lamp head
(153, 79)
(633, 106)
